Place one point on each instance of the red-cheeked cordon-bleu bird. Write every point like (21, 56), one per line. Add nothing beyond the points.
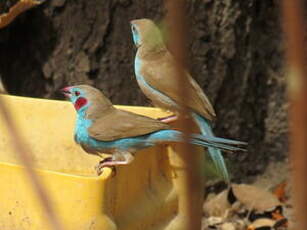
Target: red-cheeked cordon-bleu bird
(102, 128)
(155, 71)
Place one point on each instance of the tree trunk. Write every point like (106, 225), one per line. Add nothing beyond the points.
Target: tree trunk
(235, 55)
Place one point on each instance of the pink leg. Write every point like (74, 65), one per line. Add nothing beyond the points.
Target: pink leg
(168, 119)
(114, 161)
(99, 166)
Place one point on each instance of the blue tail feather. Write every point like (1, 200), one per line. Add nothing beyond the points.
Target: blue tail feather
(214, 153)
(221, 140)
(220, 146)
(196, 139)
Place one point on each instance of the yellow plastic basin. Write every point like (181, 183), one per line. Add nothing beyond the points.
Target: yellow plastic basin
(140, 196)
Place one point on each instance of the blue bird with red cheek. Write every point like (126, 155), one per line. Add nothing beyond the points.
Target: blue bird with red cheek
(102, 128)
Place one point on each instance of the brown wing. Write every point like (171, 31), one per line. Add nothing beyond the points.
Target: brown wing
(122, 124)
(160, 73)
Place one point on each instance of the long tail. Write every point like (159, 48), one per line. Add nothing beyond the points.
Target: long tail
(214, 153)
(197, 139)
(218, 143)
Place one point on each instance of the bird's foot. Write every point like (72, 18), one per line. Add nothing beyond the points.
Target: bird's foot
(99, 167)
(168, 119)
(110, 162)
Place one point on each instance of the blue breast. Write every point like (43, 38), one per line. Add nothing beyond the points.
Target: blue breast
(82, 124)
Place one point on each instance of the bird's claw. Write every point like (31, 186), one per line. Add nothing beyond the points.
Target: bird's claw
(107, 162)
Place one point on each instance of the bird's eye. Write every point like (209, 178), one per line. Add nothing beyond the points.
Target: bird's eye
(133, 28)
(77, 93)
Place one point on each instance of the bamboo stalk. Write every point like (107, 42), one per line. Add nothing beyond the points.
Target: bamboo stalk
(190, 182)
(294, 28)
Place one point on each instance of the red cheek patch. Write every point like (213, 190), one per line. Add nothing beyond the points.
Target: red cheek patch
(80, 103)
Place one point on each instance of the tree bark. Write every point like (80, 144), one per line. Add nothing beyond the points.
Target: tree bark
(235, 55)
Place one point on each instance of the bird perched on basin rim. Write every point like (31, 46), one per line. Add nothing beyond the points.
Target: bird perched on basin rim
(102, 128)
(155, 71)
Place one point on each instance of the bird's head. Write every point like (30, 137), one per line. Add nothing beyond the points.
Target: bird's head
(146, 33)
(87, 98)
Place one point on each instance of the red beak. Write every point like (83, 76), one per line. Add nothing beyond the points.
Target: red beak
(66, 91)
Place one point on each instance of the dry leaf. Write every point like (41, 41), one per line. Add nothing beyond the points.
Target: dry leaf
(15, 10)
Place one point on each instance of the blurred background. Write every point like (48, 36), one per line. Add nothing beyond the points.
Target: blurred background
(235, 54)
